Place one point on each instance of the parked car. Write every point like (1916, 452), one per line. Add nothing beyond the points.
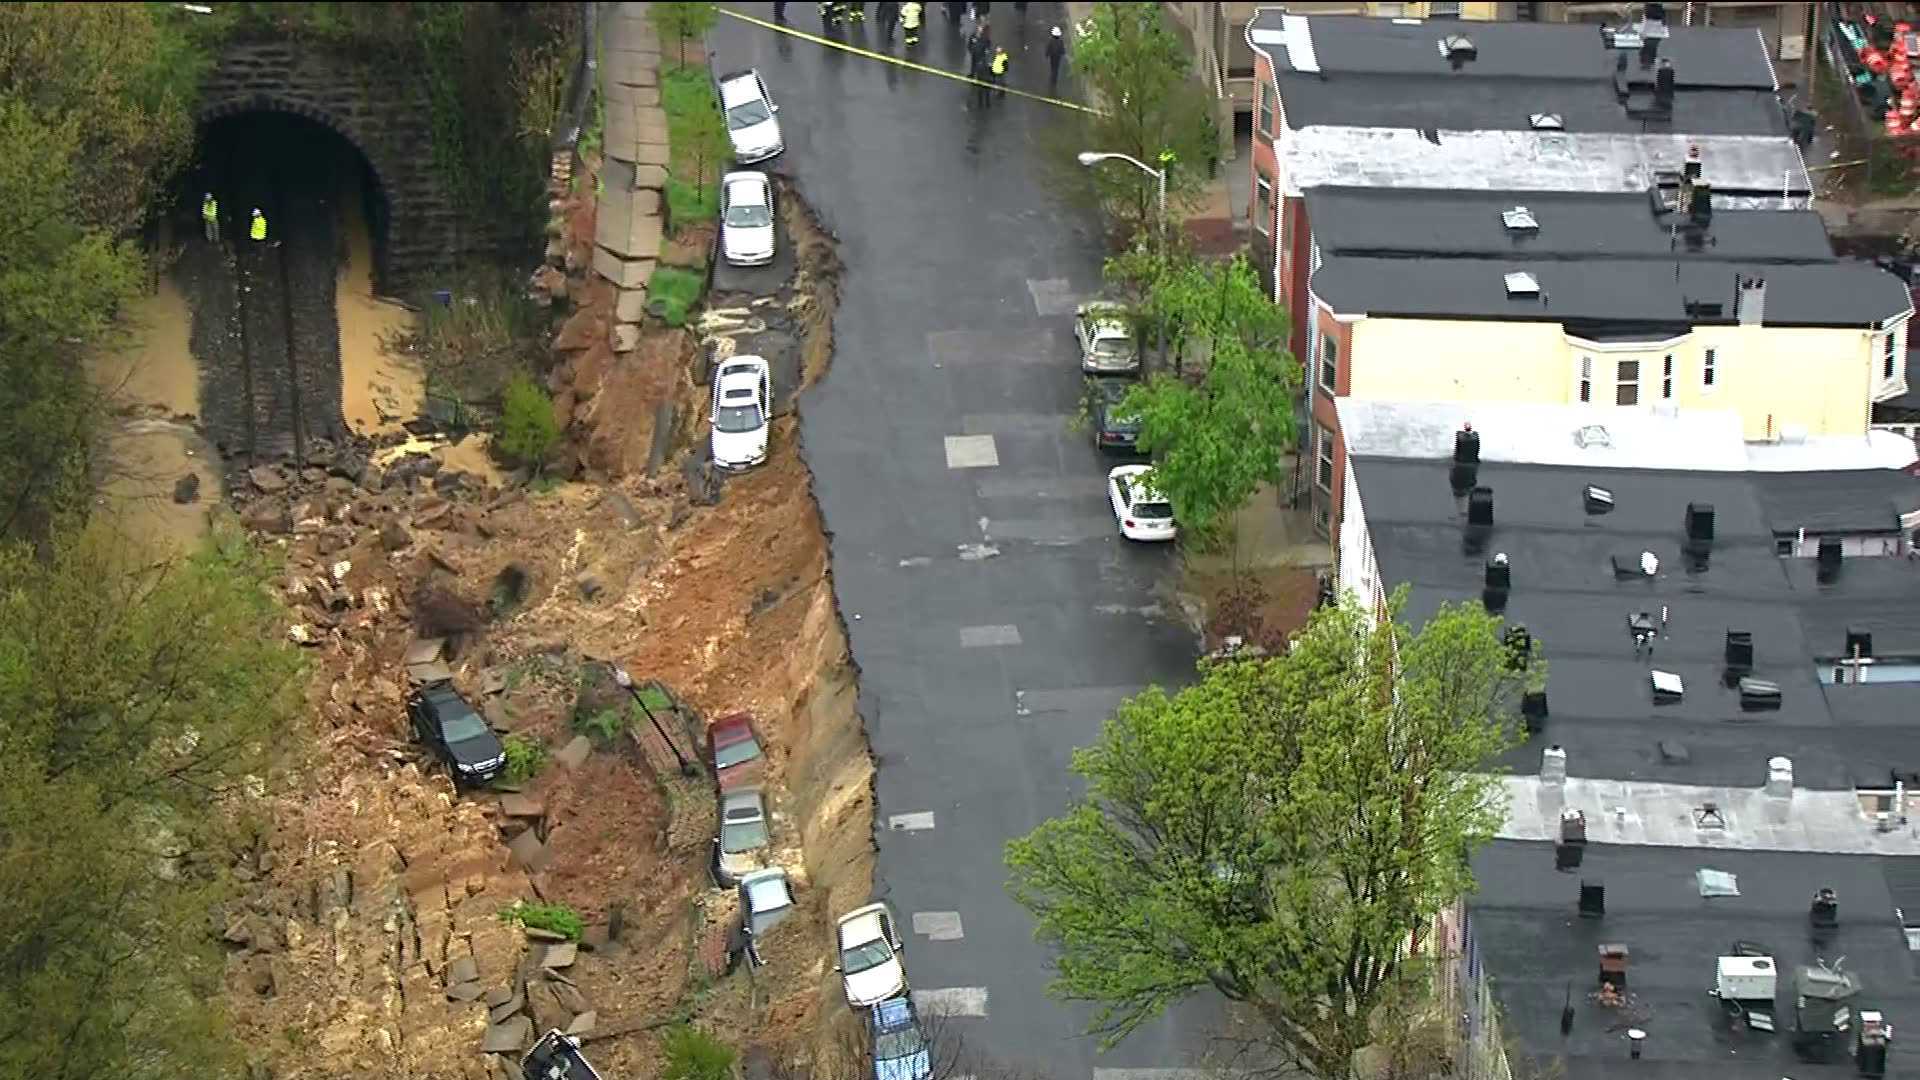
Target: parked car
(1106, 339)
(746, 219)
(870, 966)
(1113, 429)
(899, 1046)
(742, 844)
(1142, 511)
(734, 748)
(766, 899)
(751, 125)
(742, 412)
(456, 733)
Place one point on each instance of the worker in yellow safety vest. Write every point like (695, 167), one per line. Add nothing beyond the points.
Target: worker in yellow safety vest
(999, 69)
(210, 217)
(258, 230)
(910, 23)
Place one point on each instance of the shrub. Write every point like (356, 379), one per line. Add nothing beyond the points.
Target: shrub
(693, 1054)
(525, 756)
(555, 918)
(675, 291)
(602, 726)
(528, 431)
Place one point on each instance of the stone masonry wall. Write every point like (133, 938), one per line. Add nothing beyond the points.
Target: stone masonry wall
(383, 112)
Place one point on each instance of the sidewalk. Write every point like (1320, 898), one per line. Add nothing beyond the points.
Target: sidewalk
(628, 228)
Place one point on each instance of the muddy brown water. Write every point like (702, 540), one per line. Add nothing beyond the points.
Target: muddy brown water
(379, 389)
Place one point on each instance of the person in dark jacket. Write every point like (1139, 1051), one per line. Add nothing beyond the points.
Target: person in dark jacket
(954, 10)
(888, 12)
(1056, 52)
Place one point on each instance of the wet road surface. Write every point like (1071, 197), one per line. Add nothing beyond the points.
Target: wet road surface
(995, 615)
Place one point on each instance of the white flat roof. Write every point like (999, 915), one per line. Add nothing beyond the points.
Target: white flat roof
(1583, 435)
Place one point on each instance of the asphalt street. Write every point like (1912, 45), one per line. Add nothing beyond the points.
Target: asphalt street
(995, 615)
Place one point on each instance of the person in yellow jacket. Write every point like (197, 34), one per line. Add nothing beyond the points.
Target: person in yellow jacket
(258, 229)
(210, 217)
(910, 23)
(999, 69)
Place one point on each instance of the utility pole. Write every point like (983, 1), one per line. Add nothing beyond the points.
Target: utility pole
(1810, 59)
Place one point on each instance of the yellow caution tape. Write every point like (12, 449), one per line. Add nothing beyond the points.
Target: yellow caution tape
(780, 28)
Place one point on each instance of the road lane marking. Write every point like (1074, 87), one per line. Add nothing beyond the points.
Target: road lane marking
(779, 28)
(1052, 296)
(988, 637)
(972, 452)
(917, 821)
(938, 925)
(952, 1001)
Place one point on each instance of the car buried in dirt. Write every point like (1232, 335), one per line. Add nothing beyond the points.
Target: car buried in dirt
(742, 412)
(733, 748)
(456, 734)
(766, 899)
(900, 1049)
(742, 844)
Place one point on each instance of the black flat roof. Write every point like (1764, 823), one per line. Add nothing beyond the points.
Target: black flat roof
(1857, 501)
(1424, 222)
(1539, 953)
(1848, 294)
(1393, 73)
(1566, 593)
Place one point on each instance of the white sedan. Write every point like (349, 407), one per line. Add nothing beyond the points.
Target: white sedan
(869, 947)
(746, 219)
(751, 126)
(1106, 341)
(742, 412)
(1142, 511)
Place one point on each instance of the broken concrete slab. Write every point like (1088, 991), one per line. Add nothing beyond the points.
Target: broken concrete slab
(637, 123)
(515, 1000)
(571, 998)
(574, 754)
(466, 991)
(631, 305)
(641, 153)
(627, 230)
(427, 674)
(583, 1025)
(505, 1038)
(523, 806)
(560, 956)
(528, 852)
(626, 337)
(499, 995)
(628, 68)
(649, 177)
(536, 933)
(462, 970)
(620, 96)
(426, 650)
(625, 273)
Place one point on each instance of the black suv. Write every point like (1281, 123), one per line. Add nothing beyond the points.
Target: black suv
(1112, 429)
(448, 725)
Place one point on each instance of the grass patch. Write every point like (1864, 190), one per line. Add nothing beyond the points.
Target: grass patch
(698, 145)
(691, 204)
(554, 918)
(675, 290)
(525, 758)
(655, 698)
(602, 727)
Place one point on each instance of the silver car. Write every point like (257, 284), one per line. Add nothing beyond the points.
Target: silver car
(1106, 340)
(751, 125)
(744, 838)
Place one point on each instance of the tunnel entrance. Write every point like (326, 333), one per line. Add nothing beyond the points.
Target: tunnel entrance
(266, 322)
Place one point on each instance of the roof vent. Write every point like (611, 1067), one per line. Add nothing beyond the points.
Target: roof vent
(1546, 121)
(1596, 499)
(1521, 283)
(1591, 435)
(1519, 219)
(1458, 49)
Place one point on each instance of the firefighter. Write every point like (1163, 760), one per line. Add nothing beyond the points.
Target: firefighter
(999, 69)
(1056, 52)
(257, 230)
(910, 23)
(210, 217)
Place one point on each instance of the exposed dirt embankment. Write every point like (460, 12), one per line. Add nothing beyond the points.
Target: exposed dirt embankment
(373, 941)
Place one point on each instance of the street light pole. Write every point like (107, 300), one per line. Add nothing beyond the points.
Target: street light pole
(1091, 158)
(625, 682)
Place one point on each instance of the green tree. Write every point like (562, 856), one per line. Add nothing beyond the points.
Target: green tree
(1275, 831)
(1139, 73)
(693, 1054)
(683, 21)
(696, 129)
(142, 703)
(528, 431)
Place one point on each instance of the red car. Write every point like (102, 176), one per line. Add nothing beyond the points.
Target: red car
(734, 748)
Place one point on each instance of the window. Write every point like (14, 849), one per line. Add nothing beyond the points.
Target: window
(1666, 378)
(1707, 372)
(1329, 364)
(1890, 354)
(1438, 10)
(1265, 121)
(1586, 380)
(1262, 205)
(1626, 383)
(1783, 547)
(1323, 457)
